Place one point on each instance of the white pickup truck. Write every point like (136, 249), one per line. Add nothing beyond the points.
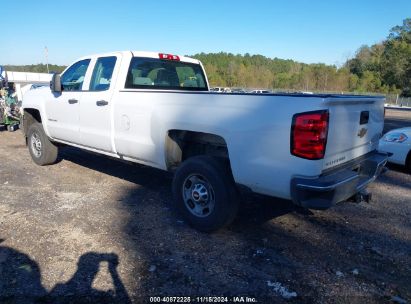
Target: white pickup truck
(157, 110)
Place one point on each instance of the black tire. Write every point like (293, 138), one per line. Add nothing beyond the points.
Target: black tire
(42, 150)
(408, 162)
(12, 128)
(213, 177)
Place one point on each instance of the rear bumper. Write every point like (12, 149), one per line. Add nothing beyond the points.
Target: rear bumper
(338, 185)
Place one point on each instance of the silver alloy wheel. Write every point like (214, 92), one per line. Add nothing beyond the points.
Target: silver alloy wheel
(198, 195)
(36, 144)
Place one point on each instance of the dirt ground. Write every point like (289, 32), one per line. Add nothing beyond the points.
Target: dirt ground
(95, 230)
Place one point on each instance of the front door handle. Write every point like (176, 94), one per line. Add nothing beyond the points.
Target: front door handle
(101, 103)
(72, 101)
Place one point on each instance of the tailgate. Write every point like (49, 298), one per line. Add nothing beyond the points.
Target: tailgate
(355, 126)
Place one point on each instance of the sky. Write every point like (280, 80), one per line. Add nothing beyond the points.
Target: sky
(309, 31)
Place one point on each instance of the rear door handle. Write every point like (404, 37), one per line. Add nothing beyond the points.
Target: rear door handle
(72, 101)
(101, 103)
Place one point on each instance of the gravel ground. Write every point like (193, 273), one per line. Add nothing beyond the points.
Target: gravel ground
(91, 229)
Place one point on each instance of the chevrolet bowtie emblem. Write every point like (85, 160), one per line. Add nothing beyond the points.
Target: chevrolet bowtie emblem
(362, 132)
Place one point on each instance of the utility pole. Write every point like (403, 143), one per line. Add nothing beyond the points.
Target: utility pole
(46, 53)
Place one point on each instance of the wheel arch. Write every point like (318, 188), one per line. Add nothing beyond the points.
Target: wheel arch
(30, 115)
(183, 144)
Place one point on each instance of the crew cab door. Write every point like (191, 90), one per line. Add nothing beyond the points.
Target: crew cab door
(63, 108)
(95, 107)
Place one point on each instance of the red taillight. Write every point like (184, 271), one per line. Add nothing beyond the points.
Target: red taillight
(309, 134)
(168, 57)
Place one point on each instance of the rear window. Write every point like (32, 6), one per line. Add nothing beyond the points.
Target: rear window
(151, 73)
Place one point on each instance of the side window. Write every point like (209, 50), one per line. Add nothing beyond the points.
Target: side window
(73, 77)
(103, 71)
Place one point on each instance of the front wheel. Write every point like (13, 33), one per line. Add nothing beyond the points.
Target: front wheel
(42, 150)
(204, 193)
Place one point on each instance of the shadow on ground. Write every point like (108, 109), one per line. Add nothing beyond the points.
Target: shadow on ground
(20, 280)
(398, 168)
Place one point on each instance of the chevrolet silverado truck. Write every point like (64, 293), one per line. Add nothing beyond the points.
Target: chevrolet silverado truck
(156, 109)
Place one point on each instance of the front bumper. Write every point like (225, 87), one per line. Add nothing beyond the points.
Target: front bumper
(338, 185)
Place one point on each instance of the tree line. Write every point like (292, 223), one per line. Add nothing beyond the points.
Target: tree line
(35, 68)
(384, 67)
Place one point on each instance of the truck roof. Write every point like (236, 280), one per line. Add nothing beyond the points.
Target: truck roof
(142, 54)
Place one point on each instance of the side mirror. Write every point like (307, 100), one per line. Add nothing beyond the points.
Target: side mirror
(55, 83)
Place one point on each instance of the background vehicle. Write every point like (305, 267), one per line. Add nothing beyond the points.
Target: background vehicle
(2, 77)
(220, 90)
(260, 92)
(156, 109)
(238, 91)
(397, 142)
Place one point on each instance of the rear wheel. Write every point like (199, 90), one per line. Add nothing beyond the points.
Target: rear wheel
(204, 193)
(42, 150)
